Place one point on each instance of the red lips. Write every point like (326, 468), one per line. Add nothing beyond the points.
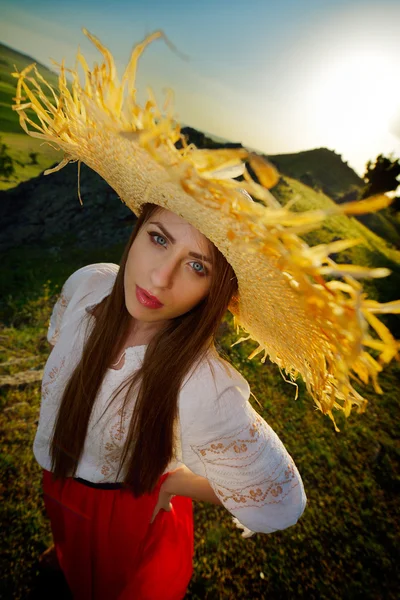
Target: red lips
(146, 299)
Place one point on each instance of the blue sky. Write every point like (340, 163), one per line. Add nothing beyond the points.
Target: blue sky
(279, 77)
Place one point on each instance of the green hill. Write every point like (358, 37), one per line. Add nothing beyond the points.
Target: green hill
(320, 168)
(21, 146)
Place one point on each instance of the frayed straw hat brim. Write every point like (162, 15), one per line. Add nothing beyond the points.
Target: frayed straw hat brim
(304, 323)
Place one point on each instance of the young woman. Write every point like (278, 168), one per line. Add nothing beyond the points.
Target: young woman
(183, 423)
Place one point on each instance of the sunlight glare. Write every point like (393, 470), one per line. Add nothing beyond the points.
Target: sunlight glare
(356, 96)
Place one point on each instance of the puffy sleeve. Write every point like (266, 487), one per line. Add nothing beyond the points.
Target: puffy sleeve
(70, 289)
(245, 462)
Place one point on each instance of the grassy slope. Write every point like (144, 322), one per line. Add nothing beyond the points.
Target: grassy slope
(20, 146)
(327, 173)
(373, 251)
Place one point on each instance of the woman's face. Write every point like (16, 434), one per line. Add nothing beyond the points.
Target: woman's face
(169, 260)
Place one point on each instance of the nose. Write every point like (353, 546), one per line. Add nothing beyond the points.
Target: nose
(162, 274)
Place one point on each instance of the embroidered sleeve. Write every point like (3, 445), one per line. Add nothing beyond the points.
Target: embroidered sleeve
(248, 467)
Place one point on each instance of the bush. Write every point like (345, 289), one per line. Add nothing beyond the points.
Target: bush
(6, 162)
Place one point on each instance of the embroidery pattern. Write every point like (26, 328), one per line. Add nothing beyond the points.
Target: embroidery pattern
(263, 492)
(255, 459)
(250, 437)
(114, 447)
(51, 377)
(57, 316)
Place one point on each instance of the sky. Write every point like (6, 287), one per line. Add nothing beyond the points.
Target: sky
(280, 77)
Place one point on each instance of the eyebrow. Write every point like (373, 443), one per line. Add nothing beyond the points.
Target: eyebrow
(173, 240)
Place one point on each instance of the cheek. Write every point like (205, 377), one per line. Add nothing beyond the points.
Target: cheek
(196, 294)
(134, 263)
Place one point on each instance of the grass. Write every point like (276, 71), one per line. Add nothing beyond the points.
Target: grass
(344, 546)
(19, 148)
(373, 247)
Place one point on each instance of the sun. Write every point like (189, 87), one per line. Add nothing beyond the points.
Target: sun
(356, 93)
(353, 99)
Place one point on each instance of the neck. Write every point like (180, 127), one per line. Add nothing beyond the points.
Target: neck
(144, 332)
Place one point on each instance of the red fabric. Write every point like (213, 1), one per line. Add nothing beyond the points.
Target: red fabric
(107, 548)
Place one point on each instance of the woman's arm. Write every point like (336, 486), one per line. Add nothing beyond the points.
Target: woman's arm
(183, 482)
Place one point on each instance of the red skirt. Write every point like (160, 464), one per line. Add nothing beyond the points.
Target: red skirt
(108, 549)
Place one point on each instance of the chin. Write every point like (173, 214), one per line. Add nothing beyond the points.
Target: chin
(139, 312)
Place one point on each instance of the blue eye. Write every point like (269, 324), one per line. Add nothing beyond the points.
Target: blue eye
(155, 238)
(201, 271)
(160, 236)
(153, 235)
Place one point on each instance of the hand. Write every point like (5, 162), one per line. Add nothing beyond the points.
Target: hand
(164, 502)
(246, 532)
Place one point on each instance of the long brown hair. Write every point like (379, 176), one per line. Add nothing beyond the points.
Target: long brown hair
(169, 356)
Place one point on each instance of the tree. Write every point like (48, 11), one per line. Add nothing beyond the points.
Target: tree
(381, 176)
(33, 156)
(6, 162)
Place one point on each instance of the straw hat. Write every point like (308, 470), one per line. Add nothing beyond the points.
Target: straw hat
(306, 325)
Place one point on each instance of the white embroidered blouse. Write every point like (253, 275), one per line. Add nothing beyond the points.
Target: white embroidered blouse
(221, 437)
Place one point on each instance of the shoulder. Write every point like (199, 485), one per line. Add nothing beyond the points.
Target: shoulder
(94, 278)
(86, 287)
(90, 273)
(213, 387)
(215, 375)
